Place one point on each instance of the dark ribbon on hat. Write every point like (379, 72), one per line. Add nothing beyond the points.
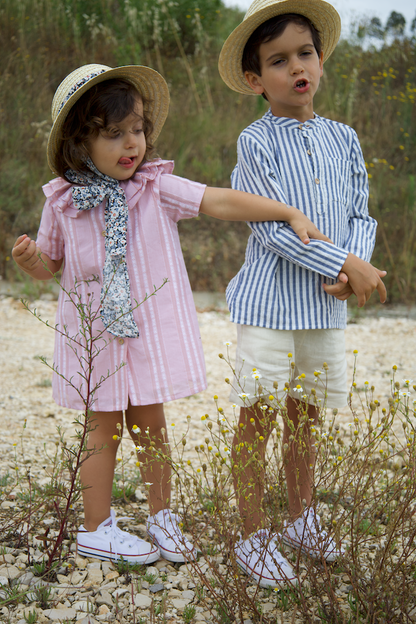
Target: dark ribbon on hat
(93, 188)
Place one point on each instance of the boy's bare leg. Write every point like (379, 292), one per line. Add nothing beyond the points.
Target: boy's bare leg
(97, 472)
(249, 477)
(300, 456)
(153, 471)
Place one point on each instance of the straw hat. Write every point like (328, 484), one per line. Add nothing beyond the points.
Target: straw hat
(148, 82)
(322, 15)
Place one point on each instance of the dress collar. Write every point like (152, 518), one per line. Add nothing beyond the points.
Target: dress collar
(135, 186)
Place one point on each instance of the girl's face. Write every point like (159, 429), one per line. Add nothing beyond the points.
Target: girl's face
(119, 149)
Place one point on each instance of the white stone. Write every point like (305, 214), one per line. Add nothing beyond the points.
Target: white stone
(83, 605)
(7, 558)
(4, 580)
(180, 604)
(10, 572)
(95, 576)
(77, 577)
(8, 504)
(142, 602)
(188, 595)
(120, 591)
(104, 598)
(60, 614)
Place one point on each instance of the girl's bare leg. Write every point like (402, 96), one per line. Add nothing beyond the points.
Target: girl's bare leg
(249, 477)
(97, 471)
(299, 457)
(154, 471)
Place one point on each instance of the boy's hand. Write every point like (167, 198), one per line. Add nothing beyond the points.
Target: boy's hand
(342, 289)
(363, 278)
(304, 228)
(25, 253)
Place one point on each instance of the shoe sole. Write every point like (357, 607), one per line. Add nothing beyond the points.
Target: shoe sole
(315, 554)
(267, 581)
(95, 553)
(171, 555)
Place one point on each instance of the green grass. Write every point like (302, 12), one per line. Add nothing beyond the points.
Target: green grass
(371, 89)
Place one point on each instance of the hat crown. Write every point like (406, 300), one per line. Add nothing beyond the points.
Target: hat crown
(74, 81)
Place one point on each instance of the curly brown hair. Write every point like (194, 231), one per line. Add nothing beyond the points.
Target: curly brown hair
(104, 104)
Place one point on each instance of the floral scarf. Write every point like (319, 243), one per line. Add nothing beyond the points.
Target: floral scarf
(93, 188)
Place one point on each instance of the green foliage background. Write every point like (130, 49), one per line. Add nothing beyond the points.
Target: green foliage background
(371, 88)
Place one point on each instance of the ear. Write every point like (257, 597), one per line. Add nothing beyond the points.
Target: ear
(321, 64)
(254, 82)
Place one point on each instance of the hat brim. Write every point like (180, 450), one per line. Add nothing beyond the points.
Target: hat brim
(149, 83)
(322, 15)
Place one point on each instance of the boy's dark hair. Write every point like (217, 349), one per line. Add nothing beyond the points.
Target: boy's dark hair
(104, 104)
(268, 31)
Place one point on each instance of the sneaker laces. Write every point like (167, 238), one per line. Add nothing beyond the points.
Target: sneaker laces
(170, 525)
(311, 527)
(117, 536)
(270, 544)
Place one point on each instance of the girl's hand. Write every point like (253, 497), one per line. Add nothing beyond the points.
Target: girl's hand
(304, 228)
(26, 254)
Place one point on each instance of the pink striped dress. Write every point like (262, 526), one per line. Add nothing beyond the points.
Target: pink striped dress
(166, 362)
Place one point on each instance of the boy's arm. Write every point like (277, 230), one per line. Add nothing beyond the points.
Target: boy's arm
(256, 173)
(232, 205)
(361, 227)
(26, 255)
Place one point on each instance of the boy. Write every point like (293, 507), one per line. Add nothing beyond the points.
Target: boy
(287, 298)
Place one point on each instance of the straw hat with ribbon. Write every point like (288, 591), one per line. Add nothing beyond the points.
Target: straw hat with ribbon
(149, 83)
(322, 15)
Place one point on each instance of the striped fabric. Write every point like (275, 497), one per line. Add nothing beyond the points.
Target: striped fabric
(318, 167)
(166, 362)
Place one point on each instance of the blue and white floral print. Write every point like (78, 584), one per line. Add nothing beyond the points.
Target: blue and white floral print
(94, 188)
(77, 86)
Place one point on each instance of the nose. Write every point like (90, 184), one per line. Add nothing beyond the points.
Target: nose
(296, 67)
(131, 140)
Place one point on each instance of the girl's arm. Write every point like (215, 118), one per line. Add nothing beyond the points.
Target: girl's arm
(231, 205)
(26, 255)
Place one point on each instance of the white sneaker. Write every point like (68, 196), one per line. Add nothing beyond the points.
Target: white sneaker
(306, 533)
(110, 542)
(163, 528)
(260, 558)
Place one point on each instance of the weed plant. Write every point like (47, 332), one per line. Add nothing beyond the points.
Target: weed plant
(371, 88)
(57, 498)
(365, 491)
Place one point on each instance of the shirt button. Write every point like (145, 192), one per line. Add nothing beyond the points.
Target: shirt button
(121, 341)
(300, 126)
(309, 152)
(317, 180)
(103, 233)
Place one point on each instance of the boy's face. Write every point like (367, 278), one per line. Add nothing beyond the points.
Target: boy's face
(290, 73)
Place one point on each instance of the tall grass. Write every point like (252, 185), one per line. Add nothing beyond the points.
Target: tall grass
(373, 90)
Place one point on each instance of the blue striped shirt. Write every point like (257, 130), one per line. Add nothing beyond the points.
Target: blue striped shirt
(318, 167)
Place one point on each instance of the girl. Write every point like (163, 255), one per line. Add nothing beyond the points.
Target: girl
(112, 213)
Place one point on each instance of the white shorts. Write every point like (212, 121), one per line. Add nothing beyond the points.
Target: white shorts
(266, 350)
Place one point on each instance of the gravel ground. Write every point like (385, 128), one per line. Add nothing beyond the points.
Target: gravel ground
(25, 397)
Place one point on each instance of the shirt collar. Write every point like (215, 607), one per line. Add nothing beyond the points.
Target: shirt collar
(292, 124)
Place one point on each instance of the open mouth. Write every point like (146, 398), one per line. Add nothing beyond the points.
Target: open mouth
(301, 84)
(127, 162)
